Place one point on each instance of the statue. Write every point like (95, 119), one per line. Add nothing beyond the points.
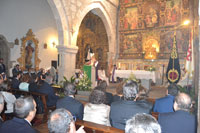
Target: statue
(29, 55)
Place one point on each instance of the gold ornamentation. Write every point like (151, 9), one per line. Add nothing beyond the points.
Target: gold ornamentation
(29, 38)
(173, 75)
(174, 52)
(151, 45)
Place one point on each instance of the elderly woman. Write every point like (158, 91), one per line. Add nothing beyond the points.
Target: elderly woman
(96, 111)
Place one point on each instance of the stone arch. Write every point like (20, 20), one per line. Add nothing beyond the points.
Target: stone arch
(61, 21)
(5, 52)
(99, 10)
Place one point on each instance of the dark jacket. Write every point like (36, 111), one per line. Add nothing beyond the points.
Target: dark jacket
(74, 106)
(117, 98)
(33, 87)
(177, 122)
(109, 98)
(123, 110)
(15, 83)
(15, 72)
(16, 125)
(45, 88)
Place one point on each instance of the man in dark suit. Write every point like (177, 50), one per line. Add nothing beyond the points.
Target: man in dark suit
(68, 102)
(180, 121)
(15, 70)
(24, 109)
(16, 81)
(165, 104)
(45, 88)
(123, 110)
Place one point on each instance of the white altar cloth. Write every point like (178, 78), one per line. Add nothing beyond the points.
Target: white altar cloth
(139, 74)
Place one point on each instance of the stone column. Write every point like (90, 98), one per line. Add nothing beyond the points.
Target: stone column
(111, 61)
(67, 61)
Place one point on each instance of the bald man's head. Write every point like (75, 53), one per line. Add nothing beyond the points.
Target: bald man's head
(182, 102)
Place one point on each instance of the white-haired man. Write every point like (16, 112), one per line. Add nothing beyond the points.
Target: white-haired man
(61, 121)
(142, 123)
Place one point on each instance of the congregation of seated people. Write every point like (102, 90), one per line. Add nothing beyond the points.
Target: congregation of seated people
(123, 111)
(31, 82)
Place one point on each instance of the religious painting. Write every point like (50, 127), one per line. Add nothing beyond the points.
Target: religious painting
(129, 1)
(182, 38)
(143, 17)
(151, 14)
(130, 18)
(173, 12)
(132, 43)
(185, 4)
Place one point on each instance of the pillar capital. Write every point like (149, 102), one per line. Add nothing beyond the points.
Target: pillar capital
(67, 49)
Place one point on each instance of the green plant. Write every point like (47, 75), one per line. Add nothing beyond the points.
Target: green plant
(71, 80)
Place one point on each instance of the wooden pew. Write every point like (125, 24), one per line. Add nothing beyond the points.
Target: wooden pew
(91, 127)
(151, 100)
(42, 97)
(155, 114)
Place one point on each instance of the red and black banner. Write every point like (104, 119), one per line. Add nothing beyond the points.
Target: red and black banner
(173, 70)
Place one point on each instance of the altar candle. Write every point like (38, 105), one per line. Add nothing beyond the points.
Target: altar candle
(119, 65)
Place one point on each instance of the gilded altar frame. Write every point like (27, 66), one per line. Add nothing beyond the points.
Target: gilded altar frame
(30, 37)
(143, 21)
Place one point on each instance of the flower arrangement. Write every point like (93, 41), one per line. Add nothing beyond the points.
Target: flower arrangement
(151, 69)
(84, 83)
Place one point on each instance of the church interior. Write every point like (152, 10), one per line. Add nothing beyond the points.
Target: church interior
(126, 38)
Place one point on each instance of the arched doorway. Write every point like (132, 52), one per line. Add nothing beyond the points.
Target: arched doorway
(5, 52)
(92, 33)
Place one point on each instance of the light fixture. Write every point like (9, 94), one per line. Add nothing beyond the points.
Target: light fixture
(186, 22)
(54, 44)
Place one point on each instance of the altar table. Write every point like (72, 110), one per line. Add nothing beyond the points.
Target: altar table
(145, 76)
